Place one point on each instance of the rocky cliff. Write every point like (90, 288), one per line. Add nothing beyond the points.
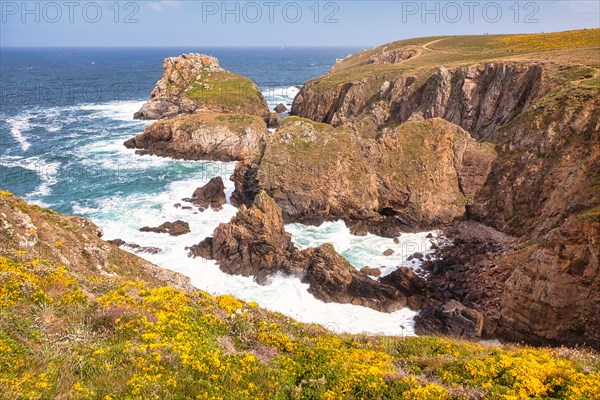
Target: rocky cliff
(219, 137)
(541, 110)
(196, 83)
(30, 232)
(540, 106)
(418, 175)
(478, 98)
(423, 134)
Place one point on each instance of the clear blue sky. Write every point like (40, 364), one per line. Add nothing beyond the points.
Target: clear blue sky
(276, 23)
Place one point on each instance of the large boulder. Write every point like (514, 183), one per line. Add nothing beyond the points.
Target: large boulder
(407, 282)
(216, 137)
(333, 279)
(254, 242)
(210, 195)
(280, 108)
(452, 319)
(196, 83)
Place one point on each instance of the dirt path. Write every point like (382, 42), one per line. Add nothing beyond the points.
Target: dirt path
(426, 46)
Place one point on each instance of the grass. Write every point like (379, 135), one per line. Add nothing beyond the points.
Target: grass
(577, 47)
(72, 332)
(237, 123)
(227, 90)
(592, 214)
(72, 337)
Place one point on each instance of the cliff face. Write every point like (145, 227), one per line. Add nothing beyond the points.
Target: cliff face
(220, 137)
(418, 175)
(196, 83)
(478, 98)
(552, 297)
(541, 110)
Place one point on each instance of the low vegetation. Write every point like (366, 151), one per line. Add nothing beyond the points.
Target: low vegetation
(82, 337)
(225, 89)
(553, 41)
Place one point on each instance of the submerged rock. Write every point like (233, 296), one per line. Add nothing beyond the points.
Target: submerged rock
(176, 228)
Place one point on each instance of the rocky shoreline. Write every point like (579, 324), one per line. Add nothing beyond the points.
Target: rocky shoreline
(477, 150)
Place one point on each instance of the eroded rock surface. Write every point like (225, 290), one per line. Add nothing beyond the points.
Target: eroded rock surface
(217, 137)
(196, 83)
(418, 175)
(210, 195)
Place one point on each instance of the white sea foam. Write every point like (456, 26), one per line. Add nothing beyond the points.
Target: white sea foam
(283, 95)
(116, 110)
(20, 124)
(363, 250)
(121, 215)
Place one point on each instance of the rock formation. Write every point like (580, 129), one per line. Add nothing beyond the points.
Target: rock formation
(196, 83)
(210, 195)
(176, 228)
(418, 175)
(254, 243)
(217, 137)
(531, 273)
(30, 232)
(424, 134)
(272, 120)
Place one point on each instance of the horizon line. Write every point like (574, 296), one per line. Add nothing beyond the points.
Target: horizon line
(192, 46)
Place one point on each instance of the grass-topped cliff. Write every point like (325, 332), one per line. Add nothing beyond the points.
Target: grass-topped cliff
(81, 319)
(196, 83)
(422, 55)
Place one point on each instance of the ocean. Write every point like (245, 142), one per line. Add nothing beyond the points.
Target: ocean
(64, 115)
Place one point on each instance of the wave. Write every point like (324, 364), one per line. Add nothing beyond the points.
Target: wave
(18, 125)
(284, 95)
(116, 110)
(367, 250)
(55, 119)
(46, 171)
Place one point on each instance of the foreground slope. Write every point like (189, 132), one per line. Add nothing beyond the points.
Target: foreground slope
(81, 319)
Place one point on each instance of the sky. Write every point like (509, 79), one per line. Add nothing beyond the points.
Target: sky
(171, 23)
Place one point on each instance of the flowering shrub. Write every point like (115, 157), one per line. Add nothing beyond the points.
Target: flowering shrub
(133, 340)
(552, 41)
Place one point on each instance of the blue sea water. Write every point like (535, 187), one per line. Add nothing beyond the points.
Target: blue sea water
(64, 115)
(59, 107)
